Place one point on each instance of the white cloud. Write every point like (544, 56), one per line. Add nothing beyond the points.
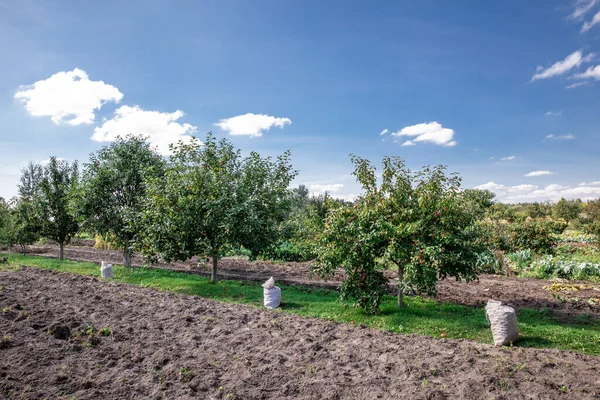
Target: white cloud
(576, 85)
(320, 188)
(492, 158)
(595, 183)
(508, 158)
(383, 132)
(590, 73)
(251, 125)
(428, 132)
(587, 25)
(573, 60)
(582, 7)
(67, 97)
(528, 193)
(560, 137)
(161, 129)
(539, 173)
(553, 113)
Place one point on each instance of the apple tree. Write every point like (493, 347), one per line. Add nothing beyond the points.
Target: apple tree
(211, 199)
(418, 222)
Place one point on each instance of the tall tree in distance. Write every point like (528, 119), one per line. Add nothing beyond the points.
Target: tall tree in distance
(57, 221)
(567, 209)
(31, 177)
(110, 198)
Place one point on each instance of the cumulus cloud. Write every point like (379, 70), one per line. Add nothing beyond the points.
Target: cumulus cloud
(251, 125)
(322, 188)
(539, 173)
(560, 137)
(573, 60)
(595, 183)
(161, 129)
(383, 132)
(590, 73)
(529, 193)
(67, 97)
(587, 25)
(553, 113)
(428, 132)
(508, 158)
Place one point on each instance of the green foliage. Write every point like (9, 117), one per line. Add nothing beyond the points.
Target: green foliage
(536, 236)
(211, 200)
(57, 221)
(567, 209)
(549, 266)
(26, 225)
(419, 221)
(520, 260)
(111, 196)
(594, 229)
(6, 225)
(480, 201)
(299, 231)
(31, 177)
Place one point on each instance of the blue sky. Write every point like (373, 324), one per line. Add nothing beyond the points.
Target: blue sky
(475, 85)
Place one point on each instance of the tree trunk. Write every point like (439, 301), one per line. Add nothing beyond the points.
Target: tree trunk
(61, 251)
(127, 258)
(213, 274)
(400, 287)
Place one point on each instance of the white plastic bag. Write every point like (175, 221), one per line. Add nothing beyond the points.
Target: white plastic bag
(503, 321)
(272, 294)
(106, 270)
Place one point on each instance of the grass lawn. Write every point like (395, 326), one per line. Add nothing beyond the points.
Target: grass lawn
(421, 316)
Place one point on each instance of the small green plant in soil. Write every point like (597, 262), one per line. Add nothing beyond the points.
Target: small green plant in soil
(106, 331)
(6, 342)
(423, 316)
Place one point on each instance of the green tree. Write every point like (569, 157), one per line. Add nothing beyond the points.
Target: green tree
(56, 219)
(210, 200)
(480, 200)
(418, 221)
(31, 176)
(110, 198)
(6, 225)
(567, 209)
(25, 224)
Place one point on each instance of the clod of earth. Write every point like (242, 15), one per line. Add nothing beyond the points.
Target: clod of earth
(59, 331)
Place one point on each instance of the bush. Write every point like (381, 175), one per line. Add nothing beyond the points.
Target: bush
(536, 236)
(289, 251)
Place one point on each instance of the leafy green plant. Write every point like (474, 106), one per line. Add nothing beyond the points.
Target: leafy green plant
(57, 221)
(536, 236)
(106, 331)
(211, 200)
(520, 259)
(111, 196)
(416, 221)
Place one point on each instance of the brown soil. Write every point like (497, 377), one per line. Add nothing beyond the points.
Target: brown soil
(517, 292)
(167, 346)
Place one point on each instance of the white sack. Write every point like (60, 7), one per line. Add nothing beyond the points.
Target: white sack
(106, 270)
(269, 284)
(503, 320)
(272, 297)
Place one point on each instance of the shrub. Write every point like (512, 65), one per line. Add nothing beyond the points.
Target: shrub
(536, 236)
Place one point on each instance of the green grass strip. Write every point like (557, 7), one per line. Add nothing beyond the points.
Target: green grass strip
(421, 316)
